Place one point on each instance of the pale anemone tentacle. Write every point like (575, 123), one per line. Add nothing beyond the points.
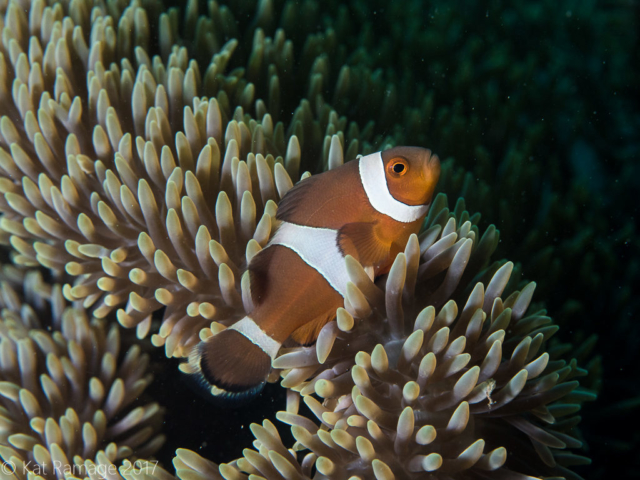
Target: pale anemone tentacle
(148, 194)
(68, 397)
(416, 387)
(145, 192)
(466, 394)
(367, 304)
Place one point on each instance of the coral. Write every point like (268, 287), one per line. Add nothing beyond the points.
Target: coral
(66, 393)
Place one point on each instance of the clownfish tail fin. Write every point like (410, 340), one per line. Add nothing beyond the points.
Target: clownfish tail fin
(235, 363)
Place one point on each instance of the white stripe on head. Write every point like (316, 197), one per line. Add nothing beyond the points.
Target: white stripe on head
(318, 248)
(375, 186)
(250, 329)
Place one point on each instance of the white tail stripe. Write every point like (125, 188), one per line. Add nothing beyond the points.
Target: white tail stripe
(318, 248)
(250, 329)
(375, 186)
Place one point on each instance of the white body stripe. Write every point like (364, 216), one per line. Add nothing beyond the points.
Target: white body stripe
(375, 185)
(253, 332)
(318, 248)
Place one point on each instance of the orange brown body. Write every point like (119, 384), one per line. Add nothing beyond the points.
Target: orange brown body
(367, 208)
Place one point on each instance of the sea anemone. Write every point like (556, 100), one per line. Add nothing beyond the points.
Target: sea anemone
(434, 268)
(128, 180)
(67, 394)
(149, 195)
(449, 250)
(411, 384)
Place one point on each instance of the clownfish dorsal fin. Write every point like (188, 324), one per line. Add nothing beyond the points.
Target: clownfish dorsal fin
(361, 241)
(308, 333)
(298, 195)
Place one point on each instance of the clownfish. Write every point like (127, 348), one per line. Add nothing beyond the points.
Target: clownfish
(367, 208)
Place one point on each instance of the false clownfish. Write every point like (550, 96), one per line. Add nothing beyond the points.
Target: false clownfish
(366, 208)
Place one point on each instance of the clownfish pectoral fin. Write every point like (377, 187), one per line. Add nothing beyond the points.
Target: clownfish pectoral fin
(232, 363)
(308, 333)
(361, 241)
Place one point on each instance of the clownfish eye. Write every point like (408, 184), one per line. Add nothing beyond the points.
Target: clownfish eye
(398, 166)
